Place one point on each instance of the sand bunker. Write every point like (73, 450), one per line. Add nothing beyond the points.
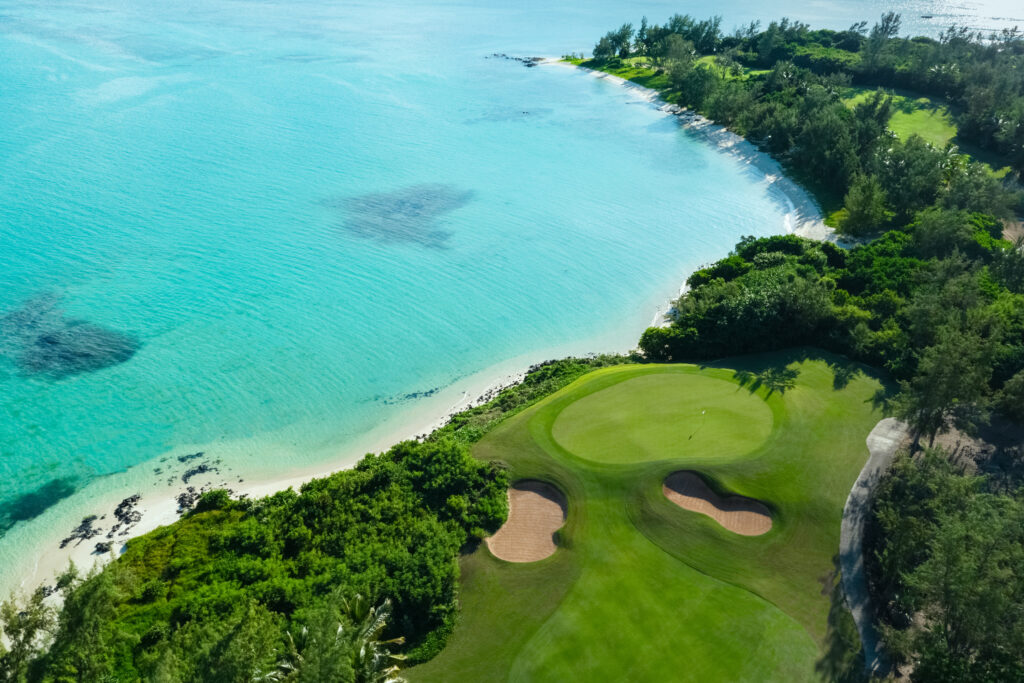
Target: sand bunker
(535, 512)
(740, 515)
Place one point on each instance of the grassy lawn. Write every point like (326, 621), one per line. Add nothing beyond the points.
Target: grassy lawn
(932, 120)
(632, 69)
(641, 589)
(924, 116)
(642, 72)
(711, 61)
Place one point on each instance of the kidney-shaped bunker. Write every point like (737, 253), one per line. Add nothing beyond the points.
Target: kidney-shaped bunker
(740, 515)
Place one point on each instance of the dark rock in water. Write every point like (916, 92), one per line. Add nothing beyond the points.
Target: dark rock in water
(197, 470)
(408, 215)
(190, 456)
(412, 396)
(187, 499)
(102, 548)
(43, 342)
(34, 503)
(525, 61)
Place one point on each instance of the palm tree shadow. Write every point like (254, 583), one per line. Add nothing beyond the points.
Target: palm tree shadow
(772, 371)
(772, 378)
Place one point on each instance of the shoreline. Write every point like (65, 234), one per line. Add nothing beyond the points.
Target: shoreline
(149, 505)
(804, 216)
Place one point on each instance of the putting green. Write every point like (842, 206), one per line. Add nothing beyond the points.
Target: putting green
(640, 589)
(653, 417)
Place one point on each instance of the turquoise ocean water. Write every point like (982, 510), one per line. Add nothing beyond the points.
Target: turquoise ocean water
(265, 229)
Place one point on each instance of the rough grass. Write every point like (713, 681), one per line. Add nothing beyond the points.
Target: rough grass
(641, 589)
(633, 69)
(711, 61)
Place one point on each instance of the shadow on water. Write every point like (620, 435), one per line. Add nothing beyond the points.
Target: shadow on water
(405, 216)
(34, 503)
(43, 342)
(842, 658)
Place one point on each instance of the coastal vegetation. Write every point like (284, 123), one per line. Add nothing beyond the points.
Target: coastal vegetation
(940, 305)
(932, 291)
(382, 565)
(937, 296)
(822, 102)
(634, 572)
(276, 586)
(946, 570)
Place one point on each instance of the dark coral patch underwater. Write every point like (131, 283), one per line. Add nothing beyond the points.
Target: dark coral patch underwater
(43, 342)
(408, 215)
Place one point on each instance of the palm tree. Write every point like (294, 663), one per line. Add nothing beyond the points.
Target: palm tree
(372, 660)
(333, 646)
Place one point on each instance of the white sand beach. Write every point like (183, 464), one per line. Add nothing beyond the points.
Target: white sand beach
(803, 215)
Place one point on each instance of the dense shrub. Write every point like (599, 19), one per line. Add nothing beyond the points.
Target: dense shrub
(222, 589)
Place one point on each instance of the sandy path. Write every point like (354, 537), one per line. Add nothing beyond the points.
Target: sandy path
(883, 442)
(536, 510)
(739, 515)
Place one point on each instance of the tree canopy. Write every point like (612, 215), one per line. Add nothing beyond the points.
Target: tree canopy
(227, 588)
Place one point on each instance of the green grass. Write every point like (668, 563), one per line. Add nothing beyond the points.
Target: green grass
(682, 416)
(925, 116)
(634, 69)
(711, 61)
(643, 590)
(640, 71)
(932, 120)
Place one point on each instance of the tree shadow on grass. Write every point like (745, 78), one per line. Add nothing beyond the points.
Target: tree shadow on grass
(771, 370)
(844, 371)
(773, 379)
(842, 658)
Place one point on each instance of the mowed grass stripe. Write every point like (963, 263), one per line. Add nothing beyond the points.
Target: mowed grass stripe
(641, 589)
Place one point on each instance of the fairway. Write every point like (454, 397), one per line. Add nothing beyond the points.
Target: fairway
(641, 589)
(912, 114)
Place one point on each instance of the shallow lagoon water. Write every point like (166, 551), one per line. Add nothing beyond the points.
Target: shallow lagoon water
(266, 229)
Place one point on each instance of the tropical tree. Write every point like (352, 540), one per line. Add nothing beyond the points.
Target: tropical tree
(342, 642)
(615, 43)
(372, 659)
(865, 207)
(950, 386)
(26, 628)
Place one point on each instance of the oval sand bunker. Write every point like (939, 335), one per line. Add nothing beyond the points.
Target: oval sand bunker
(535, 512)
(740, 515)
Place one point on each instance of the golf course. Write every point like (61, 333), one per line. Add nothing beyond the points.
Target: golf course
(636, 586)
